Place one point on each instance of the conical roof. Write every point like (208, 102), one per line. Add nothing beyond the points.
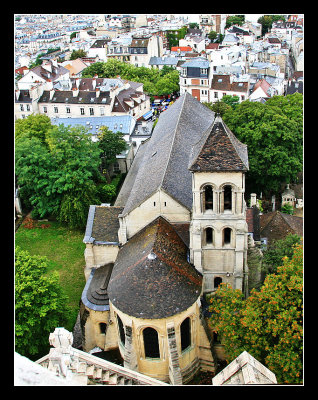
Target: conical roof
(151, 277)
(219, 150)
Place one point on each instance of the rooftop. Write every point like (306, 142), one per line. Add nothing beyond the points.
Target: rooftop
(151, 277)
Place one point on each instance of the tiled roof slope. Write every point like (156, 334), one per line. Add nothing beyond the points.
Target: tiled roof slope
(166, 159)
(105, 224)
(220, 151)
(151, 277)
(277, 225)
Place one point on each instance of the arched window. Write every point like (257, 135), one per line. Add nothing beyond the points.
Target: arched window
(151, 343)
(121, 330)
(185, 333)
(208, 235)
(217, 282)
(227, 197)
(208, 198)
(227, 233)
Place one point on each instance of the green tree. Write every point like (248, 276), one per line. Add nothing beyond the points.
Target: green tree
(219, 107)
(40, 304)
(212, 35)
(232, 101)
(287, 209)
(155, 82)
(75, 204)
(193, 25)
(37, 61)
(35, 126)
(268, 324)
(73, 35)
(64, 166)
(77, 54)
(167, 84)
(267, 21)
(277, 250)
(274, 139)
(110, 144)
(234, 20)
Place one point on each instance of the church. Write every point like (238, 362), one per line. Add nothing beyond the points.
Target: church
(176, 231)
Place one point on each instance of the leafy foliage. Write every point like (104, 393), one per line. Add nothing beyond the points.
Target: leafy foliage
(165, 81)
(40, 305)
(110, 144)
(35, 126)
(287, 209)
(77, 54)
(267, 21)
(65, 165)
(277, 250)
(273, 133)
(234, 20)
(268, 324)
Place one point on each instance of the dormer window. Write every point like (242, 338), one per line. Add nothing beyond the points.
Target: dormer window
(203, 71)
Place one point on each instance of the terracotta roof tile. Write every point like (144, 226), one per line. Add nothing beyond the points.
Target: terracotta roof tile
(151, 277)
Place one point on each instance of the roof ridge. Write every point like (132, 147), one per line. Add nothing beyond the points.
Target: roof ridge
(174, 138)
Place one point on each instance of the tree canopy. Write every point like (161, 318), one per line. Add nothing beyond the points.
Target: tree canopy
(273, 133)
(234, 20)
(277, 250)
(267, 21)
(62, 166)
(156, 82)
(40, 304)
(268, 324)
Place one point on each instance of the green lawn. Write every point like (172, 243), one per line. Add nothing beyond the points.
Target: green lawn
(64, 249)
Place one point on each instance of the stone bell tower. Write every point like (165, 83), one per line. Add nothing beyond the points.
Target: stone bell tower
(218, 230)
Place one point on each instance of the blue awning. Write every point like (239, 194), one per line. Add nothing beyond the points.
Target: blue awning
(147, 115)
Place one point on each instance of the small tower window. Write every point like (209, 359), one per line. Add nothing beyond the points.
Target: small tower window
(121, 330)
(227, 197)
(227, 233)
(185, 332)
(217, 282)
(208, 236)
(102, 328)
(151, 343)
(208, 198)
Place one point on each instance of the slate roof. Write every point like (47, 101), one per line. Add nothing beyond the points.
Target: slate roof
(277, 225)
(47, 75)
(95, 295)
(121, 123)
(83, 97)
(295, 87)
(223, 82)
(165, 161)
(24, 97)
(151, 277)
(219, 150)
(102, 225)
(198, 62)
(163, 61)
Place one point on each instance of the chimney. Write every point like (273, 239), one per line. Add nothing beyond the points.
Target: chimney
(97, 92)
(75, 92)
(94, 83)
(52, 91)
(77, 82)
